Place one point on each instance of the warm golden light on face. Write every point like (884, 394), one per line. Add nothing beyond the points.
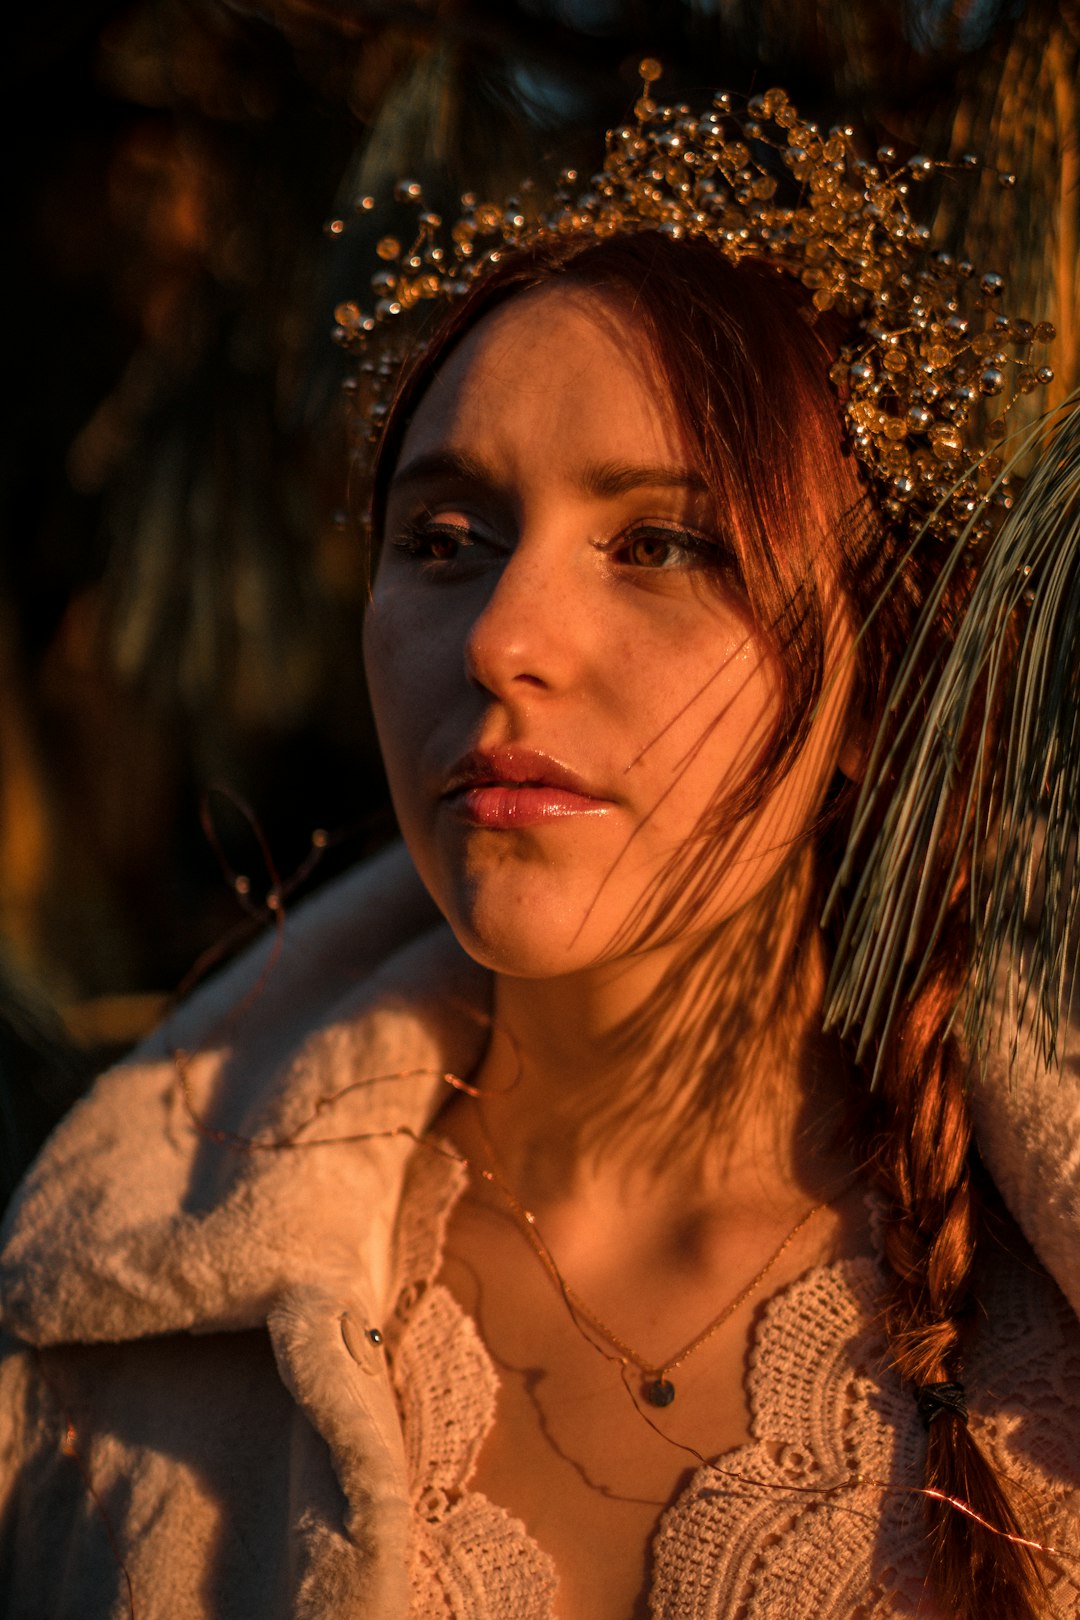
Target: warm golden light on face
(558, 605)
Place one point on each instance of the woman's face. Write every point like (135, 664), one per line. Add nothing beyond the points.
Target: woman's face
(564, 674)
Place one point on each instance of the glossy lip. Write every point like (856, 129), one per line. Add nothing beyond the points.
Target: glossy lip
(514, 786)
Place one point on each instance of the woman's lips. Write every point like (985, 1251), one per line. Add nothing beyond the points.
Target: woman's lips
(518, 787)
(520, 804)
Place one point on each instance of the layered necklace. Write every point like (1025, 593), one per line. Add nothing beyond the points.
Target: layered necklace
(656, 1385)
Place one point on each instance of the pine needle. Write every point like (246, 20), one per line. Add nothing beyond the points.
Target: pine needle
(1022, 802)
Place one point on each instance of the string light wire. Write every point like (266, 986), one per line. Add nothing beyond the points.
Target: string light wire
(296, 1139)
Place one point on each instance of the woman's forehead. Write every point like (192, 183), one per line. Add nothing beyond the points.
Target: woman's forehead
(562, 370)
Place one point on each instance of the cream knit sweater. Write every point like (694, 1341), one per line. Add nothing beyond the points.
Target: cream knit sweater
(192, 1372)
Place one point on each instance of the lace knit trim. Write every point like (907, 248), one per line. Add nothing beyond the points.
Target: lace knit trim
(795, 1524)
(469, 1560)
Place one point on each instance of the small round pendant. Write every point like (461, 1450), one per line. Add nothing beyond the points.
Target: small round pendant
(659, 1392)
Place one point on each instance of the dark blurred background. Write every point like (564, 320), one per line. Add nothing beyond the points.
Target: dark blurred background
(180, 583)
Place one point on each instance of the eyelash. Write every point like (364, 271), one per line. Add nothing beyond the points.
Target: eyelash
(418, 538)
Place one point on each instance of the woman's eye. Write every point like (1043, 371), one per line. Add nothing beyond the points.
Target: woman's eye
(658, 547)
(654, 550)
(432, 541)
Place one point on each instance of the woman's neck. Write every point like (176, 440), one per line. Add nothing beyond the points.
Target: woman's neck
(700, 1066)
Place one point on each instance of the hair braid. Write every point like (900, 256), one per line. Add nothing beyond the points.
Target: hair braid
(926, 1164)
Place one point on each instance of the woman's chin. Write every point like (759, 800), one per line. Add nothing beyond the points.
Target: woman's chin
(526, 938)
(519, 954)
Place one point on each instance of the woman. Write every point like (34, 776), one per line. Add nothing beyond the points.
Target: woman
(598, 1279)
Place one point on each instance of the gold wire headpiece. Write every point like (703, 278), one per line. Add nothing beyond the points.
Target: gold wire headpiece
(929, 345)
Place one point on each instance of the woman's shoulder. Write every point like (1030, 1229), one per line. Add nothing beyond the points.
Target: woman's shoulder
(172, 1197)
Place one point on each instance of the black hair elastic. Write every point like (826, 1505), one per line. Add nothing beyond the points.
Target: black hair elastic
(933, 1399)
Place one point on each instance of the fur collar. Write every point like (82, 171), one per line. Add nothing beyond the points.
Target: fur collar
(132, 1223)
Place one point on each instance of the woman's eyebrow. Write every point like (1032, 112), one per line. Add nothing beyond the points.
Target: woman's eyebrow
(453, 464)
(604, 479)
(610, 478)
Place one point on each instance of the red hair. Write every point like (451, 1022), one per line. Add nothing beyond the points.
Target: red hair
(745, 360)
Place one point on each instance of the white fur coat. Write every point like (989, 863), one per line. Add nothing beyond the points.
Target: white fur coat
(190, 1321)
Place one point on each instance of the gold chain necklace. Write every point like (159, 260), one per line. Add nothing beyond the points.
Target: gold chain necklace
(657, 1387)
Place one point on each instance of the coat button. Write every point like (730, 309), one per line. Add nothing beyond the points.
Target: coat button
(360, 1343)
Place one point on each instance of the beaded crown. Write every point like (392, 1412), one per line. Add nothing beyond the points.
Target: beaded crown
(933, 366)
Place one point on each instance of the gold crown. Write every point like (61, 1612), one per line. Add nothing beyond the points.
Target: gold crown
(929, 346)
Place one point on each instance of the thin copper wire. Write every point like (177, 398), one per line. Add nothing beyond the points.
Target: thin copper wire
(579, 1311)
(290, 1140)
(270, 909)
(527, 1221)
(579, 1314)
(853, 1482)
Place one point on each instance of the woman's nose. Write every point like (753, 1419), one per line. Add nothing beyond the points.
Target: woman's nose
(528, 634)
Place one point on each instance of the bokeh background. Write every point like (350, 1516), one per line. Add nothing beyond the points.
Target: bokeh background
(181, 584)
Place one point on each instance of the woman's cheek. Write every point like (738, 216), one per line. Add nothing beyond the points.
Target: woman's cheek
(408, 699)
(391, 673)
